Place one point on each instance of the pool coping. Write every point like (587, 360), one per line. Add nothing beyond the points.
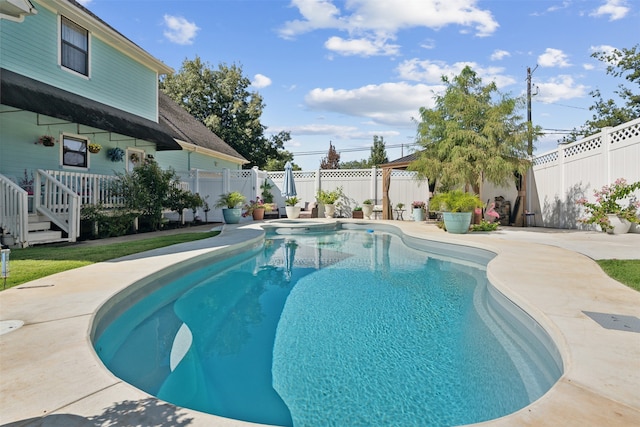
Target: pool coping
(48, 368)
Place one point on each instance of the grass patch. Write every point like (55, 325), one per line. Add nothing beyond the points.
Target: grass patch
(624, 271)
(39, 261)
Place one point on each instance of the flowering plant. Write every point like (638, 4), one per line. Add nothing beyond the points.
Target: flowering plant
(252, 205)
(418, 205)
(46, 140)
(607, 203)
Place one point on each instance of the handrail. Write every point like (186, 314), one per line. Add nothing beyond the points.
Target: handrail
(13, 210)
(57, 202)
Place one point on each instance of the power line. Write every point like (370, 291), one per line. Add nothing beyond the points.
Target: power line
(350, 150)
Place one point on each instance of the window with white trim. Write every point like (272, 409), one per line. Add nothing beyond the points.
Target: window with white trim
(74, 46)
(134, 158)
(74, 151)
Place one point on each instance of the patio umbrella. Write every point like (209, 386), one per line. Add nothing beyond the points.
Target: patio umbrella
(289, 185)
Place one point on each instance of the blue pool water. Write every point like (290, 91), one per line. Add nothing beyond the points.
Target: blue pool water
(347, 328)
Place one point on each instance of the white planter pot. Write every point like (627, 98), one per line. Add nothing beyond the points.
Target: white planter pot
(367, 210)
(293, 212)
(620, 226)
(329, 211)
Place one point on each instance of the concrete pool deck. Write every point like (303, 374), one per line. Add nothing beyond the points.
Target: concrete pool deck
(50, 375)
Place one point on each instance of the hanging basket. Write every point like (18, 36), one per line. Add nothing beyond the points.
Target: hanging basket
(94, 148)
(47, 140)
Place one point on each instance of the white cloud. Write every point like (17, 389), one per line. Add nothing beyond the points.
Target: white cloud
(432, 71)
(588, 66)
(499, 54)
(179, 30)
(553, 58)
(387, 103)
(376, 21)
(360, 47)
(260, 81)
(84, 2)
(615, 9)
(559, 88)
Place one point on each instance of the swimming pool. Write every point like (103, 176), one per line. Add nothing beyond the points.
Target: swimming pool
(356, 327)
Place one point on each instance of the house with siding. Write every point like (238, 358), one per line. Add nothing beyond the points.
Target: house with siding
(67, 76)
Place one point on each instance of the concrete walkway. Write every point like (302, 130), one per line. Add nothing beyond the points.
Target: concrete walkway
(50, 375)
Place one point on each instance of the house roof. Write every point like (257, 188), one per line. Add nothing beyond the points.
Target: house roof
(184, 127)
(16, 10)
(28, 94)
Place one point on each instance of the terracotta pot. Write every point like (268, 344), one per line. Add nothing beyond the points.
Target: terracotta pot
(258, 214)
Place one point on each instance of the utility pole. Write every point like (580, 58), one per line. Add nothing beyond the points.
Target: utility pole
(529, 122)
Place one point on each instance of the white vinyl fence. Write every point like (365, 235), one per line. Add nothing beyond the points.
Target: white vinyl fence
(357, 186)
(572, 171)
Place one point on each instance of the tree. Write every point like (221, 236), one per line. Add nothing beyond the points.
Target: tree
(378, 152)
(277, 163)
(473, 133)
(222, 101)
(332, 160)
(355, 164)
(621, 63)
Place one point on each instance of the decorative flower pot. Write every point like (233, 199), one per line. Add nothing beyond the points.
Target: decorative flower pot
(258, 214)
(367, 210)
(293, 212)
(457, 222)
(94, 149)
(232, 216)
(418, 214)
(620, 225)
(329, 211)
(358, 214)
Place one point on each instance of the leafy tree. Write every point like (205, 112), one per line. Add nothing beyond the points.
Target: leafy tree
(146, 189)
(473, 133)
(378, 152)
(621, 63)
(332, 160)
(222, 101)
(284, 156)
(355, 164)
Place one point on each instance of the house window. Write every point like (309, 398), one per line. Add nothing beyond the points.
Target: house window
(134, 158)
(74, 152)
(74, 47)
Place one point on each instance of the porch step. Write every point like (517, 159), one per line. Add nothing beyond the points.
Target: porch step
(40, 237)
(39, 225)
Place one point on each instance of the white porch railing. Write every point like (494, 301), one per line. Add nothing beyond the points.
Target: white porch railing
(58, 203)
(91, 188)
(13, 210)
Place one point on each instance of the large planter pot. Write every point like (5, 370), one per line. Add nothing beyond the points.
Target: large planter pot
(357, 214)
(293, 212)
(258, 214)
(620, 225)
(367, 210)
(329, 211)
(418, 214)
(457, 222)
(232, 216)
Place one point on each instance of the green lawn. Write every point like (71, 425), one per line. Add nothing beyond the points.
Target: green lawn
(624, 271)
(39, 261)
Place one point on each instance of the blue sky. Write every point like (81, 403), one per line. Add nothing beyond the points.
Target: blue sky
(343, 71)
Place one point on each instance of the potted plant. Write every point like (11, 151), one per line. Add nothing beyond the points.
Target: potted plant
(367, 208)
(94, 147)
(357, 212)
(229, 203)
(328, 199)
(255, 208)
(292, 210)
(418, 208)
(457, 208)
(47, 140)
(607, 212)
